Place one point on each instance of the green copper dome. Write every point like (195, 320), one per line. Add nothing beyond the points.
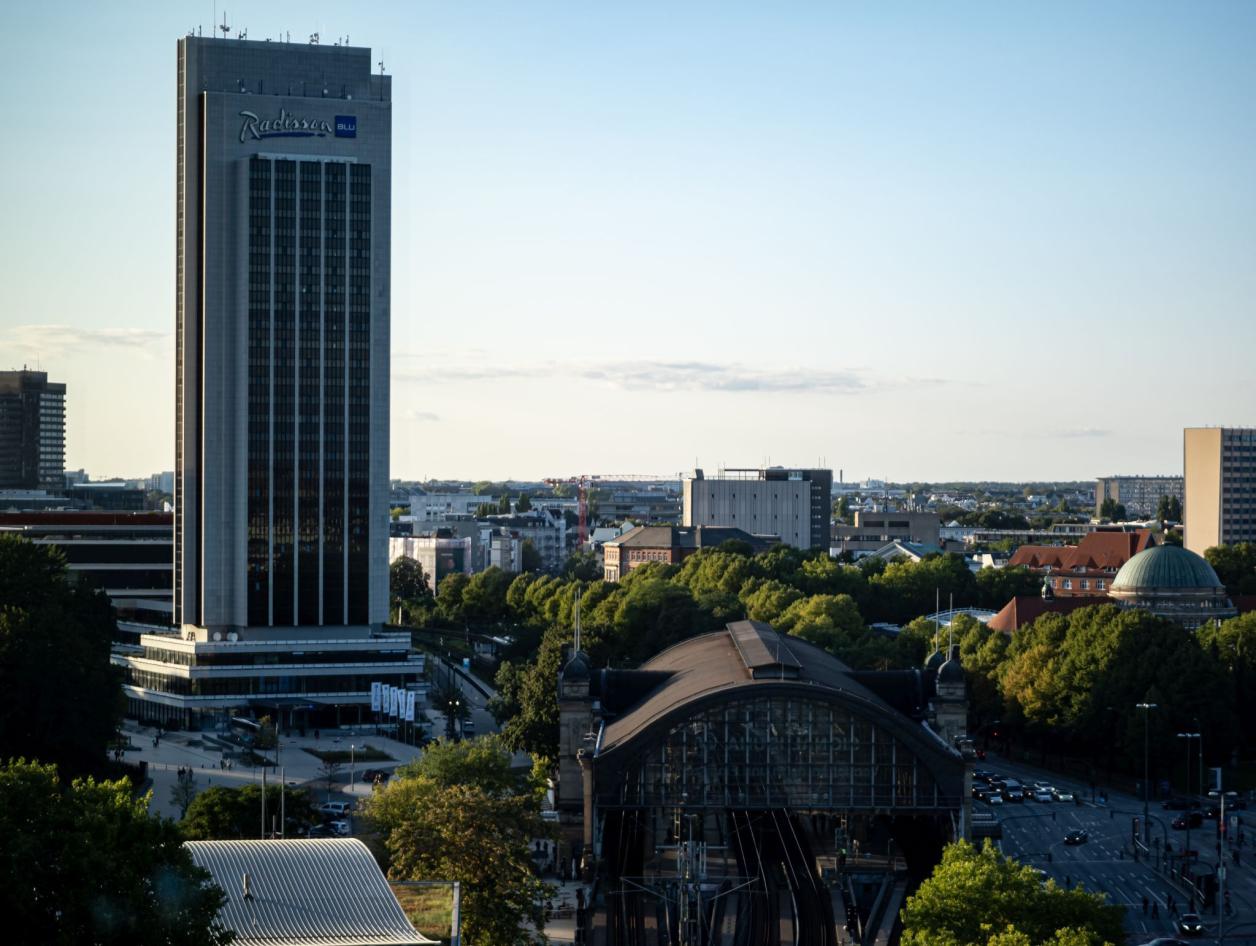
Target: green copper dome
(1166, 566)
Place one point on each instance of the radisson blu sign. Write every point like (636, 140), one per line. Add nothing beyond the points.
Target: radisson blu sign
(285, 125)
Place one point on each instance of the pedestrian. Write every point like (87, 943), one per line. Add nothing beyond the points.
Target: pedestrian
(1146, 904)
(1155, 911)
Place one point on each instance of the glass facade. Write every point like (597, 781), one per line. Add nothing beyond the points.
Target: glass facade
(777, 752)
(309, 391)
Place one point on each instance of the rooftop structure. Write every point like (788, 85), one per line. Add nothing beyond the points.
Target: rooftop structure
(1175, 583)
(320, 892)
(1085, 568)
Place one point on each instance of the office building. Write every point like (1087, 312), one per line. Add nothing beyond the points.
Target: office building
(872, 531)
(32, 431)
(1140, 495)
(440, 554)
(793, 505)
(281, 412)
(1219, 507)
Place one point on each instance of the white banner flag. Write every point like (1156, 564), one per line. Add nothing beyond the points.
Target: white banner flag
(376, 694)
(396, 701)
(409, 706)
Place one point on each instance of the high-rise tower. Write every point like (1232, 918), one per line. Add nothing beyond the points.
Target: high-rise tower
(282, 299)
(281, 414)
(32, 431)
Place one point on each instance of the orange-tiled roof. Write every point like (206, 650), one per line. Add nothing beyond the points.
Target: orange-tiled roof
(1098, 551)
(1025, 609)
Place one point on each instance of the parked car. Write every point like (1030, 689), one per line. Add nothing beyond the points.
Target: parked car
(1076, 837)
(1189, 924)
(341, 828)
(1062, 794)
(1194, 818)
(337, 809)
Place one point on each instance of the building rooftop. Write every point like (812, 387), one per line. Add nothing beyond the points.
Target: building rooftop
(1098, 550)
(685, 537)
(318, 892)
(1166, 566)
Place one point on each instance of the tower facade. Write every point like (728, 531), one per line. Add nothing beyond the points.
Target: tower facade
(282, 335)
(32, 431)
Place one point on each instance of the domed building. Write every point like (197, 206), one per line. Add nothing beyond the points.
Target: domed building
(1175, 583)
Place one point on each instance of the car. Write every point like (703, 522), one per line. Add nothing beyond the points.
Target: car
(1193, 818)
(337, 809)
(341, 828)
(371, 776)
(979, 793)
(1076, 837)
(1189, 924)
(982, 775)
(1042, 794)
(1062, 794)
(980, 753)
(994, 798)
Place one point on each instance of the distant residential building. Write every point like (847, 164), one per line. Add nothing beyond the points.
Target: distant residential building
(32, 431)
(670, 545)
(437, 507)
(546, 529)
(1140, 495)
(647, 506)
(1087, 568)
(794, 505)
(440, 555)
(874, 530)
(1219, 507)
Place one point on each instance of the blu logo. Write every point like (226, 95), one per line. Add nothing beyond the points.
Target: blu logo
(346, 126)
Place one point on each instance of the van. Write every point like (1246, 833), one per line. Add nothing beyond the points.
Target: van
(337, 809)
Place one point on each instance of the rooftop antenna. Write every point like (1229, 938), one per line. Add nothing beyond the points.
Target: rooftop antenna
(224, 27)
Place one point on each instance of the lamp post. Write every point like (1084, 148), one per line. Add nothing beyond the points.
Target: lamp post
(352, 764)
(1188, 736)
(1146, 707)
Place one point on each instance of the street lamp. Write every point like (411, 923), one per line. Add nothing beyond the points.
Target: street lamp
(352, 763)
(1145, 707)
(1188, 736)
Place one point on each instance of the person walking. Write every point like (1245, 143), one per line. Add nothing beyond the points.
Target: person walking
(1146, 904)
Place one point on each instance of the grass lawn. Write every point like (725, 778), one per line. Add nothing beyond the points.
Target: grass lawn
(361, 754)
(430, 909)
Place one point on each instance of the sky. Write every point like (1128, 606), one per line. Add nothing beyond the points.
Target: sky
(914, 241)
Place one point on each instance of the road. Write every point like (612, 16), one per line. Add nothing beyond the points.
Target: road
(1034, 830)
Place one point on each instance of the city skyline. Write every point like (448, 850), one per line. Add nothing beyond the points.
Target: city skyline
(919, 244)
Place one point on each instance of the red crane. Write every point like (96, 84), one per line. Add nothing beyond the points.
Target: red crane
(585, 480)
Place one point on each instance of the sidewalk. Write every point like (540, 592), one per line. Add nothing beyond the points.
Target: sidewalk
(177, 750)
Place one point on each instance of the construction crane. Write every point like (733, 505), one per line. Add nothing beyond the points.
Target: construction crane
(582, 483)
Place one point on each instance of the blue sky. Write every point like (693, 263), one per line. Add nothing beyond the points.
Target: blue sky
(917, 241)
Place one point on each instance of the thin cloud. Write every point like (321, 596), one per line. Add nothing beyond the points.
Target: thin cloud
(666, 376)
(1071, 433)
(420, 417)
(51, 340)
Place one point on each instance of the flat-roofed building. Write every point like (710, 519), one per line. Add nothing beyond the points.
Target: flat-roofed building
(1220, 503)
(874, 530)
(793, 504)
(1140, 495)
(32, 431)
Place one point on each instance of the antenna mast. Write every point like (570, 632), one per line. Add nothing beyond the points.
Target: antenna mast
(577, 621)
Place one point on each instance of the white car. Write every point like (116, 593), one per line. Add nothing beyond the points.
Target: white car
(994, 799)
(1042, 794)
(1062, 794)
(340, 827)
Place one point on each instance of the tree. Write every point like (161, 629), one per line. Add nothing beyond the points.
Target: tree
(981, 897)
(997, 586)
(483, 762)
(524, 504)
(461, 832)
(828, 621)
(582, 566)
(449, 598)
(86, 863)
(1235, 565)
(1169, 509)
(60, 698)
(1111, 509)
(503, 505)
(407, 581)
(529, 557)
(183, 791)
(327, 773)
(227, 814)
